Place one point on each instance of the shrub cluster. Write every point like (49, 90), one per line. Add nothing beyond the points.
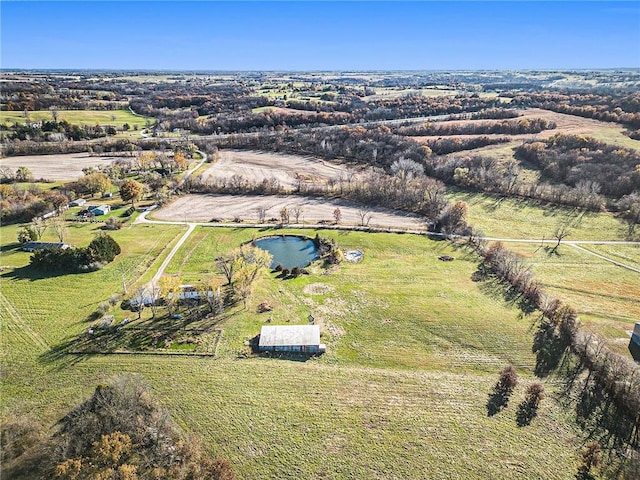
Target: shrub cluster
(102, 250)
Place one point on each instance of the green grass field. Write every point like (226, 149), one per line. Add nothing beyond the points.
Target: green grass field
(605, 295)
(517, 218)
(79, 117)
(414, 347)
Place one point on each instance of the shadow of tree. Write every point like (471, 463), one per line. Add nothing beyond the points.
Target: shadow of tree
(32, 274)
(549, 349)
(147, 336)
(495, 288)
(497, 402)
(10, 247)
(526, 412)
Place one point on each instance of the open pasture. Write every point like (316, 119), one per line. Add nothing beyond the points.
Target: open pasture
(414, 346)
(606, 296)
(115, 118)
(501, 217)
(256, 166)
(57, 167)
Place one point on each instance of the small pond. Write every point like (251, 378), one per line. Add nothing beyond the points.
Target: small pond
(289, 250)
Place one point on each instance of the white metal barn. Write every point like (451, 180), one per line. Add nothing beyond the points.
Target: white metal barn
(291, 338)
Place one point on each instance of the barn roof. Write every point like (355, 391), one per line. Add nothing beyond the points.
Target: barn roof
(285, 335)
(33, 245)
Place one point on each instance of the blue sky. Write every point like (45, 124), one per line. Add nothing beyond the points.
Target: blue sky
(419, 35)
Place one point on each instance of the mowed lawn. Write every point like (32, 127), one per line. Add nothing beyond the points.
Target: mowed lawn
(414, 348)
(78, 117)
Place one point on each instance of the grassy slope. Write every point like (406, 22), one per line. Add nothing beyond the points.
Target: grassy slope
(516, 218)
(400, 394)
(605, 295)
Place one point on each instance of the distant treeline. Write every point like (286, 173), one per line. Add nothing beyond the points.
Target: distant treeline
(446, 145)
(571, 159)
(54, 131)
(507, 127)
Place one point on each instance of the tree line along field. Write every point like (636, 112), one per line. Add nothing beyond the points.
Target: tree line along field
(398, 392)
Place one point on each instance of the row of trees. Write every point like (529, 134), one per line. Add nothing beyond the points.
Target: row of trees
(508, 127)
(608, 397)
(54, 131)
(620, 107)
(22, 204)
(446, 145)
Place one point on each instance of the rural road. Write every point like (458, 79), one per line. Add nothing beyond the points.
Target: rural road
(174, 250)
(191, 225)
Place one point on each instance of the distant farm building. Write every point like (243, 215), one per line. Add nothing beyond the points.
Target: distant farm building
(291, 338)
(33, 246)
(635, 336)
(78, 202)
(100, 210)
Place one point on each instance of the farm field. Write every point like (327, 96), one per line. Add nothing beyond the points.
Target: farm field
(565, 124)
(57, 167)
(255, 166)
(400, 391)
(78, 117)
(206, 207)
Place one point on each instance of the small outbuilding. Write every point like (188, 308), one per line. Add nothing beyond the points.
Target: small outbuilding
(100, 210)
(78, 202)
(635, 336)
(33, 246)
(291, 339)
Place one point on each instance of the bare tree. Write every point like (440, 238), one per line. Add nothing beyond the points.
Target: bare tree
(155, 294)
(297, 211)
(262, 213)
(39, 226)
(229, 265)
(59, 228)
(365, 216)
(405, 169)
(140, 296)
(337, 215)
(284, 215)
(561, 232)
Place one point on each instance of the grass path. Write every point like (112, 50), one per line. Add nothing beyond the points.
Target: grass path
(14, 321)
(615, 262)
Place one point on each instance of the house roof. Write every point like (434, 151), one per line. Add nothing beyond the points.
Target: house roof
(29, 246)
(285, 335)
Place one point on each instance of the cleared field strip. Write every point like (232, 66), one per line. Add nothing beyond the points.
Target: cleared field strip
(287, 169)
(115, 118)
(204, 208)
